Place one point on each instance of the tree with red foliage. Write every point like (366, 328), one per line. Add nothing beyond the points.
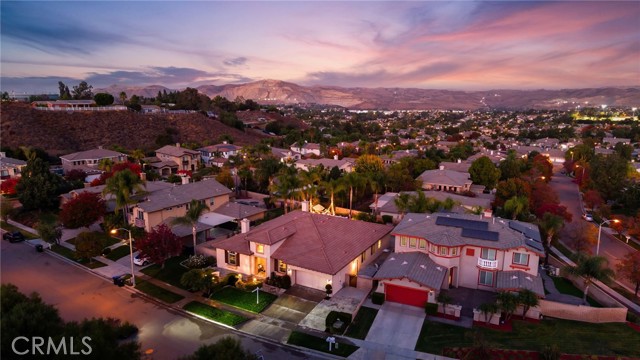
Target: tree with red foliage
(629, 267)
(159, 245)
(509, 188)
(135, 168)
(541, 165)
(76, 175)
(82, 211)
(9, 186)
(592, 199)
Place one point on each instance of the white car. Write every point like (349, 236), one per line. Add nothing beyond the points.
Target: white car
(141, 260)
(587, 217)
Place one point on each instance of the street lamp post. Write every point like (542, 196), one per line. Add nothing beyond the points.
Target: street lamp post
(600, 233)
(133, 275)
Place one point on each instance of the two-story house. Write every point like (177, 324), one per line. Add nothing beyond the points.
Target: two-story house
(185, 159)
(10, 167)
(88, 160)
(313, 249)
(306, 149)
(224, 150)
(165, 204)
(441, 250)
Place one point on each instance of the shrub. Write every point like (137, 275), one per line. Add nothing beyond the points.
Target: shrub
(633, 318)
(195, 262)
(126, 330)
(431, 308)
(283, 282)
(106, 251)
(387, 219)
(333, 316)
(377, 298)
(365, 217)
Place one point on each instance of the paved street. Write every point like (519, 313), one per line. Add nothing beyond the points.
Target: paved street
(610, 247)
(79, 294)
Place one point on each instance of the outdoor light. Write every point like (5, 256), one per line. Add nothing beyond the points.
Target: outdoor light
(133, 275)
(600, 232)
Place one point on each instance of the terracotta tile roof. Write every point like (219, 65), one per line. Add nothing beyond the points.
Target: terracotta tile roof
(315, 242)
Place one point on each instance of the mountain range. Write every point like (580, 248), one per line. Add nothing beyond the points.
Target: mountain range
(281, 92)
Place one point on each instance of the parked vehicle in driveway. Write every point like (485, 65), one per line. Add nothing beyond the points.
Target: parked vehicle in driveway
(141, 260)
(587, 217)
(14, 236)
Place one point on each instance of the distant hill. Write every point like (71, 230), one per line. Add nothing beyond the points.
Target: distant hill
(61, 132)
(281, 92)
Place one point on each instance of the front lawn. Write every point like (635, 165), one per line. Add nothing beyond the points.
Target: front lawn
(158, 292)
(565, 286)
(118, 253)
(107, 240)
(362, 323)
(11, 228)
(171, 273)
(71, 255)
(244, 299)
(571, 337)
(320, 344)
(214, 314)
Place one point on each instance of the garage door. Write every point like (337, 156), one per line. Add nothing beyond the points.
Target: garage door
(405, 295)
(311, 280)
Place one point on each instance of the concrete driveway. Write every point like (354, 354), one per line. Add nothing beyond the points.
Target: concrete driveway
(398, 325)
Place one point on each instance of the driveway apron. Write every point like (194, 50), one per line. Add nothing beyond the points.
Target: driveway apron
(398, 325)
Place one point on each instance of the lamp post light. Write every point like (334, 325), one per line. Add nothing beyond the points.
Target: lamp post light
(600, 232)
(133, 275)
(571, 156)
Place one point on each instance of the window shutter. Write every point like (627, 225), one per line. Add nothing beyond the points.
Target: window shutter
(226, 256)
(237, 259)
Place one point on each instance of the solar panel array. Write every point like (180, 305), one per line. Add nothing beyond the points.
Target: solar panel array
(462, 223)
(480, 234)
(534, 244)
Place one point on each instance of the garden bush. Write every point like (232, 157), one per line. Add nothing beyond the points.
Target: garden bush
(332, 317)
(106, 251)
(283, 282)
(377, 298)
(431, 309)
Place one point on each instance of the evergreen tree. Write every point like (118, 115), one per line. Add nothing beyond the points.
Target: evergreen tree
(39, 188)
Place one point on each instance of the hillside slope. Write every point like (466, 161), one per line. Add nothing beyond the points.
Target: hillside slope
(61, 132)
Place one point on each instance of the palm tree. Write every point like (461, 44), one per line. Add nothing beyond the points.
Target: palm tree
(508, 303)
(353, 181)
(122, 185)
(488, 309)
(527, 299)
(105, 164)
(137, 155)
(590, 268)
(123, 97)
(376, 181)
(333, 186)
(516, 205)
(244, 172)
(402, 202)
(549, 226)
(195, 210)
(287, 185)
(309, 180)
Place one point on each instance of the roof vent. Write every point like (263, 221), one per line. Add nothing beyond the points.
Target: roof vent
(439, 268)
(391, 259)
(424, 267)
(404, 263)
(514, 277)
(376, 265)
(529, 278)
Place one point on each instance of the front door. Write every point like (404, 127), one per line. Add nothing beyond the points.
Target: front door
(353, 280)
(261, 266)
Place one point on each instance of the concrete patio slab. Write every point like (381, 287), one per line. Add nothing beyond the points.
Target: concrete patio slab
(289, 308)
(397, 325)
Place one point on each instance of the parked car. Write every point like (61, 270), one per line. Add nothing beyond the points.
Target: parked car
(15, 236)
(587, 217)
(141, 260)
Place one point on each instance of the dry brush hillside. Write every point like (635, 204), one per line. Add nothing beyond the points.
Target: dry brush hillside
(59, 132)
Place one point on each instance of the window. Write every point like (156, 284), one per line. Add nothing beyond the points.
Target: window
(282, 267)
(454, 251)
(260, 248)
(379, 244)
(211, 201)
(488, 254)
(486, 278)
(362, 257)
(412, 242)
(521, 259)
(403, 241)
(140, 214)
(432, 248)
(373, 249)
(443, 250)
(232, 258)
(422, 244)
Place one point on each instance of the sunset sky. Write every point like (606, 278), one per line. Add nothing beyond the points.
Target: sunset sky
(458, 45)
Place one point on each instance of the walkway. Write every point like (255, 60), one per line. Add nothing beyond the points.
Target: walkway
(554, 294)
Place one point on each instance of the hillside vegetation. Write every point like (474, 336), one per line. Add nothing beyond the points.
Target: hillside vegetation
(60, 132)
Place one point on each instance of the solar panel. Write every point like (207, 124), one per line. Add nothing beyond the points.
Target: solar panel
(525, 229)
(462, 223)
(480, 234)
(534, 244)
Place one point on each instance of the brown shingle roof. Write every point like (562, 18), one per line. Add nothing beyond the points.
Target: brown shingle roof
(315, 242)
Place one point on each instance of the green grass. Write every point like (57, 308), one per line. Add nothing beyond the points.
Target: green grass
(171, 273)
(320, 344)
(71, 255)
(11, 228)
(158, 292)
(244, 299)
(565, 286)
(106, 239)
(362, 323)
(631, 243)
(214, 314)
(571, 337)
(118, 253)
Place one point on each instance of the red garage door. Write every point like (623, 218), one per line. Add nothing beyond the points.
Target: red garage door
(405, 295)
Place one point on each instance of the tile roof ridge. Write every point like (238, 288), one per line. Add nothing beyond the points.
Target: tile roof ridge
(324, 249)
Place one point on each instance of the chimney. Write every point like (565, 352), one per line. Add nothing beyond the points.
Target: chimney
(459, 161)
(143, 176)
(177, 144)
(441, 167)
(224, 142)
(99, 146)
(305, 206)
(487, 213)
(491, 152)
(335, 157)
(185, 180)
(244, 225)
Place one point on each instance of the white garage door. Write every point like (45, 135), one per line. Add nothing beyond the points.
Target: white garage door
(310, 279)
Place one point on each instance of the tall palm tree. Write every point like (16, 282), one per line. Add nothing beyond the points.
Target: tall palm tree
(590, 268)
(123, 97)
(105, 164)
(402, 202)
(528, 299)
(137, 155)
(123, 185)
(287, 185)
(549, 225)
(309, 180)
(516, 205)
(375, 181)
(195, 210)
(353, 181)
(332, 187)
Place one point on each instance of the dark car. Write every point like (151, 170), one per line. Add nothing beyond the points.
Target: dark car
(15, 236)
